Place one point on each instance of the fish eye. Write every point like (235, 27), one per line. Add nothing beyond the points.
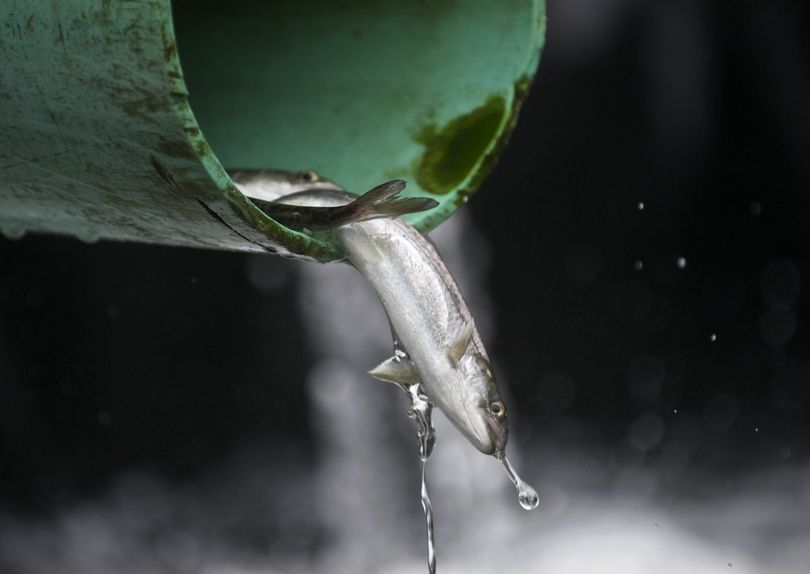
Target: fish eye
(310, 176)
(497, 409)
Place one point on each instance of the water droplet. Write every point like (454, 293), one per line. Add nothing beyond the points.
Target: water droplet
(638, 265)
(527, 496)
(640, 206)
(13, 232)
(756, 429)
(675, 411)
(755, 208)
(681, 262)
(713, 337)
(87, 235)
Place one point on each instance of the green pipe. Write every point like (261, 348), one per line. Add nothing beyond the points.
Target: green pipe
(101, 130)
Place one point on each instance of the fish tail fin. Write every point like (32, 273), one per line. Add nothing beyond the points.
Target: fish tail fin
(383, 201)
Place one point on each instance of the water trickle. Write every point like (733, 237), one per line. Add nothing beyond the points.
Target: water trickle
(421, 412)
(527, 496)
(428, 508)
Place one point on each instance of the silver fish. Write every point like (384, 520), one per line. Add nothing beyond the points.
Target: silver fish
(436, 342)
(271, 184)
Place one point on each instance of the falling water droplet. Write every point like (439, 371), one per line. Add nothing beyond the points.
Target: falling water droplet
(713, 337)
(87, 235)
(640, 206)
(638, 265)
(681, 262)
(13, 232)
(527, 496)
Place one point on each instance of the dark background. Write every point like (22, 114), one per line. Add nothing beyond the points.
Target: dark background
(116, 356)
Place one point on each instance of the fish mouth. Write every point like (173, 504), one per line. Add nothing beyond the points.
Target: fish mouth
(478, 426)
(487, 435)
(484, 443)
(500, 437)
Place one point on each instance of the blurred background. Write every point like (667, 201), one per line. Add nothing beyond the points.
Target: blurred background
(638, 263)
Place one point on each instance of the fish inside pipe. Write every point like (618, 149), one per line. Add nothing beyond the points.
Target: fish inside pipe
(436, 344)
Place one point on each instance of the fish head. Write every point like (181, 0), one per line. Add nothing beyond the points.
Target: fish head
(309, 180)
(482, 419)
(273, 184)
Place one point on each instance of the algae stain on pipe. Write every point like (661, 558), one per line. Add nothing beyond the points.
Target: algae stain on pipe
(452, 152)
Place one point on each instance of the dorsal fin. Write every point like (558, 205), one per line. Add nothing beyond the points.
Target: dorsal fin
(460, 343)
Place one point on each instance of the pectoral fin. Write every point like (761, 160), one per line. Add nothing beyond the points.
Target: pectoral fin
(395, 370)
(461, 342)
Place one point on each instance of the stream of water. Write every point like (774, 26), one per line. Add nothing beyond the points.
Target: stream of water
(421, 412)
